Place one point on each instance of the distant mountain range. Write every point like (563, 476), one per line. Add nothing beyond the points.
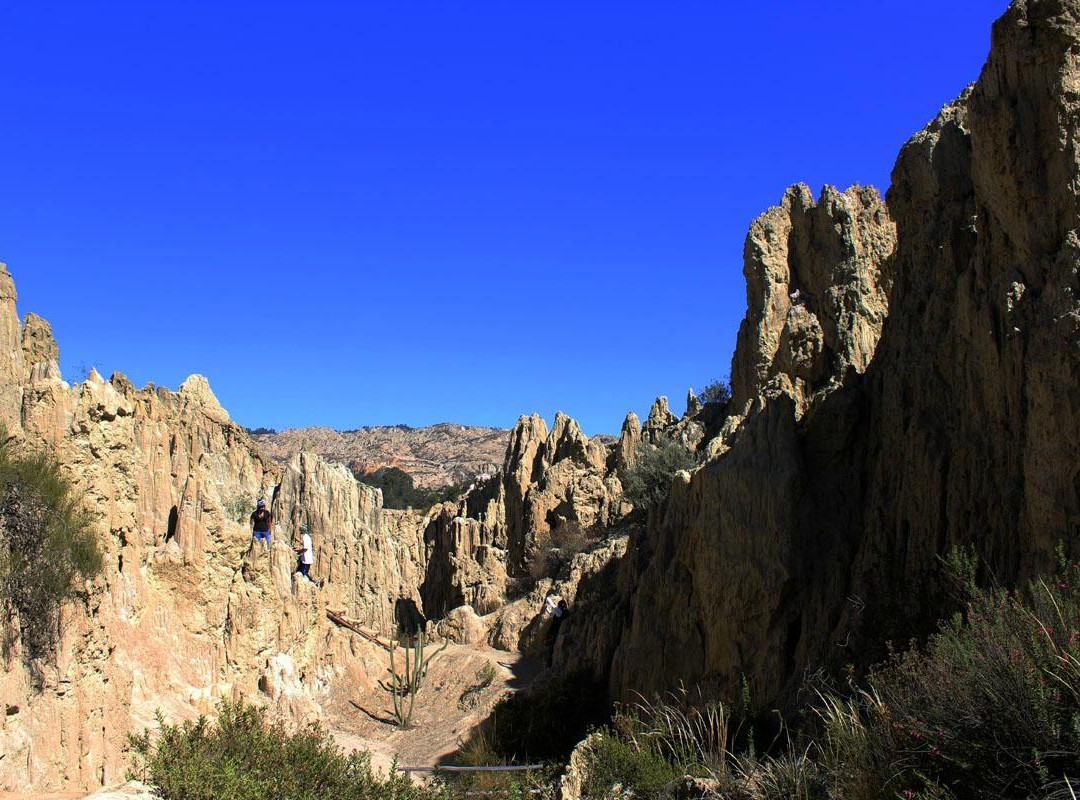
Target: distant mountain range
(434, 456)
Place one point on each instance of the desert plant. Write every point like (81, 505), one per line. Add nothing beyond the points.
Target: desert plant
(404, 685)
(719, 391)
(243, 756)
(239, 507)
(639, 768)
(46, 546)
(568, 538)
(646, 484)
(486, 674)
(652, 743)
(399, 490)
(685, 729)
(571, 538)
(484, 678)
(792, 775)
(989, 707)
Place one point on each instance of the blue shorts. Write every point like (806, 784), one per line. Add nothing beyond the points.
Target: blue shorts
(263, 535)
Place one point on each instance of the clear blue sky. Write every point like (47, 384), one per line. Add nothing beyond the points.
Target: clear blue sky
(369, 213)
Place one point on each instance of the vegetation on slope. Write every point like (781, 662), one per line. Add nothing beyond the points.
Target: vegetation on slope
(718, 392)
(400, 492)
(46, 547)
(989, 707)
(243, 756)
(647, 483)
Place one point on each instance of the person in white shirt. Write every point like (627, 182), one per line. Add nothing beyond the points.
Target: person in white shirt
(306, 556)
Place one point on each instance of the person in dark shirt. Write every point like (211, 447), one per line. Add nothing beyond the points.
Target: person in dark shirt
(261, 523)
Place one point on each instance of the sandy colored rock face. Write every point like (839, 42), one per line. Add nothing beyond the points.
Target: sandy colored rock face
(817, 285)
(906, 380)
(185, 611)
(548, 479)
(155, 470)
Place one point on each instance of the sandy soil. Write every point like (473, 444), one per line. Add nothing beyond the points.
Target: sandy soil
(448, 708)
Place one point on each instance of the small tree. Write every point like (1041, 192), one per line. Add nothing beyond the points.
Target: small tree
(647, 483)
(237, 508)
(46, 546)
(719, 391)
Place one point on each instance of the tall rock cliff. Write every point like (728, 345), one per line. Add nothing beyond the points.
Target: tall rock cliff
(185, 611)
(855, 466)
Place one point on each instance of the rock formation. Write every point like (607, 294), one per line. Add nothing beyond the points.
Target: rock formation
(185, 611)
(817, 294)
(819, 529)
(548, 480)
(907, 379)
(435, 456)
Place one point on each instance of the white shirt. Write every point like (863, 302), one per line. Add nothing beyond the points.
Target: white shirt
(305, 542)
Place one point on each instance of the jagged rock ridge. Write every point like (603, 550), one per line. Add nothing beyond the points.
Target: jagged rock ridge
(818, 528)
(437, 455)
(185, 611)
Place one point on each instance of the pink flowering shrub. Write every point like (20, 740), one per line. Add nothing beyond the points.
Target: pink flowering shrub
(989, 707)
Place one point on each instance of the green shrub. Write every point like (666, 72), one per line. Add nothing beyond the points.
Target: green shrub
(400, 492)
(567, 539)
(681, 727)
(793, 775)
(46, 547)
(641, 768)
(718, 391)
(990, 707)
(239, 508)
(242, 756)
(993, 703)
(485, 675)
(647, 483)
(651, 743)
(518, 785)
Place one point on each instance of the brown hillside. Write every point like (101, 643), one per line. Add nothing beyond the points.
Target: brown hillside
(434, 456)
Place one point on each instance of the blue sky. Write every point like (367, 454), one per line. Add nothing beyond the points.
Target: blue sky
(355, 214)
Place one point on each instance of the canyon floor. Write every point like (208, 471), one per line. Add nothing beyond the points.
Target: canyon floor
(451, 704)
(449, 707)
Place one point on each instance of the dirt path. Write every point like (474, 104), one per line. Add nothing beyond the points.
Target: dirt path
(450, 705)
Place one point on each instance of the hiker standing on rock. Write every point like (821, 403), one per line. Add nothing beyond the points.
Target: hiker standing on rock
(306, 557)
(261, 523)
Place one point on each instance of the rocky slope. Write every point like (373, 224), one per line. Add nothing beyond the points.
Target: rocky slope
(434, 456)
(185, 611)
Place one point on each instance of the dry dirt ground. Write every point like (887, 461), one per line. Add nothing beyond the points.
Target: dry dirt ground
(450, 705)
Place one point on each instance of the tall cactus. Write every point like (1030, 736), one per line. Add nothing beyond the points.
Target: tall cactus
(404, 686)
